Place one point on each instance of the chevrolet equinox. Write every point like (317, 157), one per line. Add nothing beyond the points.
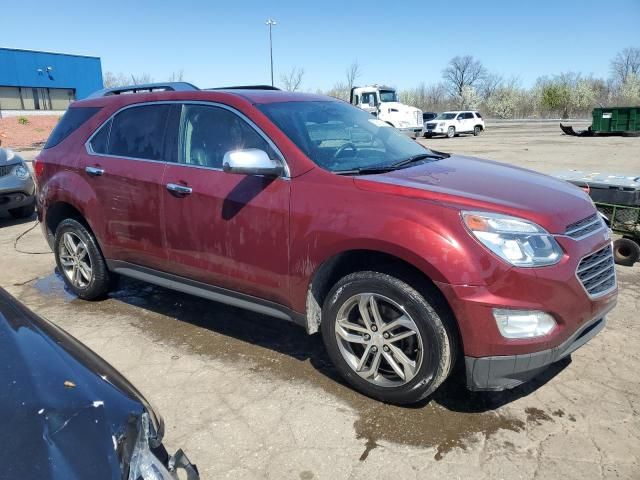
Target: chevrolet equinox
(304, 208)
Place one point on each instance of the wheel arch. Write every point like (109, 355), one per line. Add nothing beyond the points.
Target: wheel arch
(341, 264)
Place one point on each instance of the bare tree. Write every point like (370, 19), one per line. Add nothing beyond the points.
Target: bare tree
(112, 80)
(625, 63)
(463, 72)
(176, 76)
(141, 78)
(353, 73)
(293, 79)
(489, 85)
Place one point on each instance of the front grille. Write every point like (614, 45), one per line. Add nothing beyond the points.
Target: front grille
(6, 170)
(584, 227)
(597, 272)
(431, 126)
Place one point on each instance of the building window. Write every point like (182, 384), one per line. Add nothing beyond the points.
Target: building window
(29, 98)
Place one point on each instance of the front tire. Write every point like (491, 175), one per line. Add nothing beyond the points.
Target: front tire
(451, 132)
(80, 260)
(386, 339)
(626, 252)
(25, 211)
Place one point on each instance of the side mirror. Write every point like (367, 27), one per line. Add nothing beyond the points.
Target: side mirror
(251, 161)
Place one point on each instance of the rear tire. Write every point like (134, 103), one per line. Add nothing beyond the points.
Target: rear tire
(626, 252)
(406, 362)
(451, 132)
(477, 130)
(80, 261)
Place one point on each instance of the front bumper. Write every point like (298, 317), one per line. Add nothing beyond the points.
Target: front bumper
(509, 371)
(15, 193)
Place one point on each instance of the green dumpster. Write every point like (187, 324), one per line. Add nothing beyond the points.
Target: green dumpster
(616, 120)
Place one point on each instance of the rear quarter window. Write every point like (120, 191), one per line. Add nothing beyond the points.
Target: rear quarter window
(478, 115)
(69, 123)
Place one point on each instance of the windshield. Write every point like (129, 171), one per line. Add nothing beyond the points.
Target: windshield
(388, 96)
(340, 137)
(446, 116)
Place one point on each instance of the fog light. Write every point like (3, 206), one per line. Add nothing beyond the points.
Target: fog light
(523, 323)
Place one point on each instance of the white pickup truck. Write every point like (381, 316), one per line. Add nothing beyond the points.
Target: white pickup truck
(383, 102)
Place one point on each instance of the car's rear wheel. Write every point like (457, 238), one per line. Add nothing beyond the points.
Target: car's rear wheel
(451, 132)
(80, 260)
(386, 339)
(626, 252)
(477, 130)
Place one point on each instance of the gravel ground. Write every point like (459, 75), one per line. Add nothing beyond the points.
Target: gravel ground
(32, 135)
(247, 396)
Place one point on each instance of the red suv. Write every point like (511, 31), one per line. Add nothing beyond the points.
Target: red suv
(307, 209)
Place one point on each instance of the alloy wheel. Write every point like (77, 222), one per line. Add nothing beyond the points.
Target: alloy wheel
(379, 340)
(75, 260)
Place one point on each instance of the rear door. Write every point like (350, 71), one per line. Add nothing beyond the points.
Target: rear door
(224, 229)
(124, 165)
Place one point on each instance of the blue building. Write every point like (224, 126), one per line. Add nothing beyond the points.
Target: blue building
(32, 80)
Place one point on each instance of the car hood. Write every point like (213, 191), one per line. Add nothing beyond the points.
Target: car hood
(5, 154)
(473, 184)
(399, 106)
(66, 412)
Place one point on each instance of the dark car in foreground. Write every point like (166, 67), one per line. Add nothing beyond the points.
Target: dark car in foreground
(67, 414)
(408, 261)
(17, 190)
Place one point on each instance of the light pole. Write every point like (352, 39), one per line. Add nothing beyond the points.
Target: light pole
(271, 23)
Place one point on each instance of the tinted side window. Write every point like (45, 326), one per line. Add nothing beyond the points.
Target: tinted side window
(478, 115)
(468, 115)
(207, 133)
(69, 123)
(138, 132)
(460, 116)
(100, 141)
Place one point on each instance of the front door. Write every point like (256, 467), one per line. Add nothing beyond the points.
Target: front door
(124, 168)
(224, 229)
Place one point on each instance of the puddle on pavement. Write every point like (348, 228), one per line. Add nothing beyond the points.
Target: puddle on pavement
(455, 418)
(53, 285)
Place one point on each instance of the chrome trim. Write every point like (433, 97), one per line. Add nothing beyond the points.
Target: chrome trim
(597, 220)
(615, 275)
(179, 189)
(87, 144)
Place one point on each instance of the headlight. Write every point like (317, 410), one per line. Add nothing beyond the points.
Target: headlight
(21, 171)
(517, 241)
(144, 465)
(523, 323)
(441, 124)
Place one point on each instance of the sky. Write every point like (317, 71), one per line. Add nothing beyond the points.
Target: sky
(221, 43)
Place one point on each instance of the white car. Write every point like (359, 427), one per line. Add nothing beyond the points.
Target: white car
(453, 123)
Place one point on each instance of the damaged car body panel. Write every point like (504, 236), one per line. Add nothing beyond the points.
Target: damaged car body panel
(66, 413)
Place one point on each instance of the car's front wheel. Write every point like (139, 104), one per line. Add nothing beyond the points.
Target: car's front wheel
(80, 260)
(25, 211)
(385, 338)
(451, 132)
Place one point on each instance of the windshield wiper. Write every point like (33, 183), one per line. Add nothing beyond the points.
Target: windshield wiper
(419, 158)
(394, 166)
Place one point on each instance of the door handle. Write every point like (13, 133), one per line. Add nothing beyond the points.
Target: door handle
(94, 171)
(179, 190)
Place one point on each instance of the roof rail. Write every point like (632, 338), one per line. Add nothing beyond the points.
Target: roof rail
(245, 87)
(145, 88)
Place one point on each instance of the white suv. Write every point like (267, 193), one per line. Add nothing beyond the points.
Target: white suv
(453, 123)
